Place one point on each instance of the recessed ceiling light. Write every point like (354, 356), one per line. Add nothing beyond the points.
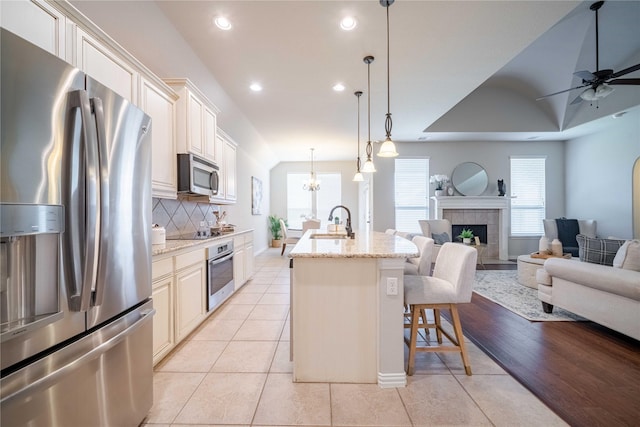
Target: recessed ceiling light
(620, 114)
(533, 137)
(256, 87)
(338, 87)
(348, 23)
(222, 23)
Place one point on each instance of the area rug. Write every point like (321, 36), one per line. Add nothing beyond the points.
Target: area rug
(502, 287)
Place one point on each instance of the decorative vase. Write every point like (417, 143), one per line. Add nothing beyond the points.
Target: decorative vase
(439, 193)
(556, 248)
(543, 244)
(466, 240)
(276, 243)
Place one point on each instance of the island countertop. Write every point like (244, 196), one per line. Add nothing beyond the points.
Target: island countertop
(373, 244)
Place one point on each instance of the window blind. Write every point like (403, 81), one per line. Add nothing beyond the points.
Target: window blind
(411, 193)
(528, 189)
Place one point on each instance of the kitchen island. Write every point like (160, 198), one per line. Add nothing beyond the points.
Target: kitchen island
(346, 308)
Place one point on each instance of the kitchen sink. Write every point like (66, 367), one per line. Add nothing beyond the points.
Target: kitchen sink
(328, 236)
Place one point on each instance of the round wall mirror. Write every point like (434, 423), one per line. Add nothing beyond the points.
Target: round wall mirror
(470, 179)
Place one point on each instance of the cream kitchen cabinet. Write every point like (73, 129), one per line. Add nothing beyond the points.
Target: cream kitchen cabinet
(159, 102)
(37, 22)
(163, 302)
(243, 258)
(195, 120)
(191, 277)
(103, 64)
(226, 153)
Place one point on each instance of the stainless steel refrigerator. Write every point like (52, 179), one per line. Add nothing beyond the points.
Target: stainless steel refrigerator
(75, 247)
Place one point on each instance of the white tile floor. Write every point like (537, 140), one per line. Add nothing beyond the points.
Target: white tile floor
(235, 370)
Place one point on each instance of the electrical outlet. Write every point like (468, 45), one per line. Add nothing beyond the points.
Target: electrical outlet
(392, 286)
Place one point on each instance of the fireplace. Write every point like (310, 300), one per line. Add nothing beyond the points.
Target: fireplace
(492, 213)
(479, 230)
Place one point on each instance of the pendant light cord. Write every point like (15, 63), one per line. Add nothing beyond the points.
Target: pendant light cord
(369, 147)
(388, 124)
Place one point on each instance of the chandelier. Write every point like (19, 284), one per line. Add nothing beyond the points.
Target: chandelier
(388, 148)
(312, 184)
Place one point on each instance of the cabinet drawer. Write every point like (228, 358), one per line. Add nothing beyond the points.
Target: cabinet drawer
(190, 258)
(160, 268)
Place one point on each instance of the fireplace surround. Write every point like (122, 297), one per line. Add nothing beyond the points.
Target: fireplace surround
(492, 211)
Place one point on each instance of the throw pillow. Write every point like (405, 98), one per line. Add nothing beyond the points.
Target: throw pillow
(568, 229)
(598, 251)
(628, 256)
(440, 239)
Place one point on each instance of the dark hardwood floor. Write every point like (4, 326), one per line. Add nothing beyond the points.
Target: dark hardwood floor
(586, 373)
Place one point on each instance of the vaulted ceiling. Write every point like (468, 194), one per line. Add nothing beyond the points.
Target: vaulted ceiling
(460, 70)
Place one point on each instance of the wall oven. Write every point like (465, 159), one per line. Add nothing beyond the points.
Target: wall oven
(219, 274)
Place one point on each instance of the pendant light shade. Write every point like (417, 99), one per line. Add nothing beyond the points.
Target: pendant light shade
(358, 176)
(368, 166)
(388, 148)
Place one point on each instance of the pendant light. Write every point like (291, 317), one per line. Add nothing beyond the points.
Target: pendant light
(312, 184)
(358, 176)
(368, 166)
(388, 148)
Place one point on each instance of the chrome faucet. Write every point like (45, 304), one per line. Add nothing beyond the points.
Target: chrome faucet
(350, 232)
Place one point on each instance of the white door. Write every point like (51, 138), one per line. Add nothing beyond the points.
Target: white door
(364, 205)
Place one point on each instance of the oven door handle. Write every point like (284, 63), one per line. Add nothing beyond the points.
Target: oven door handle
(221, 259)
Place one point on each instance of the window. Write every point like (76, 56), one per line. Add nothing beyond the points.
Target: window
(411, 193)
(528, 189)
(317, 204)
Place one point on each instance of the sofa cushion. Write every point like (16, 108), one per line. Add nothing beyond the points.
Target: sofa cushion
(441, 238)
(628, 256)
(568, 229)
(598, 251)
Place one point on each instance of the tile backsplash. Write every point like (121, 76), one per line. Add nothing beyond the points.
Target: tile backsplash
(181, 217)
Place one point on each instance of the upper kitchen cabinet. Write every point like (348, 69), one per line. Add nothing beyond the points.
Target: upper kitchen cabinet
(195, 121)
(37, 22)
(226, 154)
(159, 101)
(103, 64)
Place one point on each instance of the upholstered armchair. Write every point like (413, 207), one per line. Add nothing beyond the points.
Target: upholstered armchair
(439, 230)
(568, 231)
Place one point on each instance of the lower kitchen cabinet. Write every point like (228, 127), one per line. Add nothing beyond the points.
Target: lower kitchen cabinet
(162, 294)
(190, 291)
(242, 258)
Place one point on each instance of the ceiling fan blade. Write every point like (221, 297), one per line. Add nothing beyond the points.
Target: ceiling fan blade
(624, 82)
(585, 75)
(625, 71)
(576, 101)
(562, 91)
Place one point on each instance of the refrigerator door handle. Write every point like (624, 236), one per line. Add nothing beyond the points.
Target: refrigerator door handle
(82, 219)
(103, 176)
(54, 377)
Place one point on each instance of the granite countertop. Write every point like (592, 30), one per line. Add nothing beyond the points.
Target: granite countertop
(366, 245)
(175, 245)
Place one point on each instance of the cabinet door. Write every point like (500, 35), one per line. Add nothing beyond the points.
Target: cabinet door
(36, 22)
(95, 59)
(163, 340)
(161, 108)
(230, 171)
(195, 129)
(210, 136)
(238, 267)
(190, 291)
(248, 261)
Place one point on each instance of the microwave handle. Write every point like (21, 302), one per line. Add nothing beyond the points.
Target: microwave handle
(214, 180)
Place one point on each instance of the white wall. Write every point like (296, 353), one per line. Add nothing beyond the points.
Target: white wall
(599, 175)
(493, 156)
(349, 188)
(143, 30)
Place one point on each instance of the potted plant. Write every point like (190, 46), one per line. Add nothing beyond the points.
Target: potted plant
(276, 231)
(466, 235)
(440, 181)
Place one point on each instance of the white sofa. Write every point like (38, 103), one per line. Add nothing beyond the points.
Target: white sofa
(604, 294)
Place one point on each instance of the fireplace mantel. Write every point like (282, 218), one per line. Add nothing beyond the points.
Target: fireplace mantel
(478, 202)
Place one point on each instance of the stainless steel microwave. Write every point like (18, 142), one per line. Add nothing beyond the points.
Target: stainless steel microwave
(197, 175)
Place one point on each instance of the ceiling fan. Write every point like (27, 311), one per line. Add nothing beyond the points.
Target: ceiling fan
(599, 81)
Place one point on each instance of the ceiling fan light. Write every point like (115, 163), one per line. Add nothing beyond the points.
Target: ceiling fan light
(603, 90)
(368, 167)
(388, 149)
(358, 177)
(589, 95)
